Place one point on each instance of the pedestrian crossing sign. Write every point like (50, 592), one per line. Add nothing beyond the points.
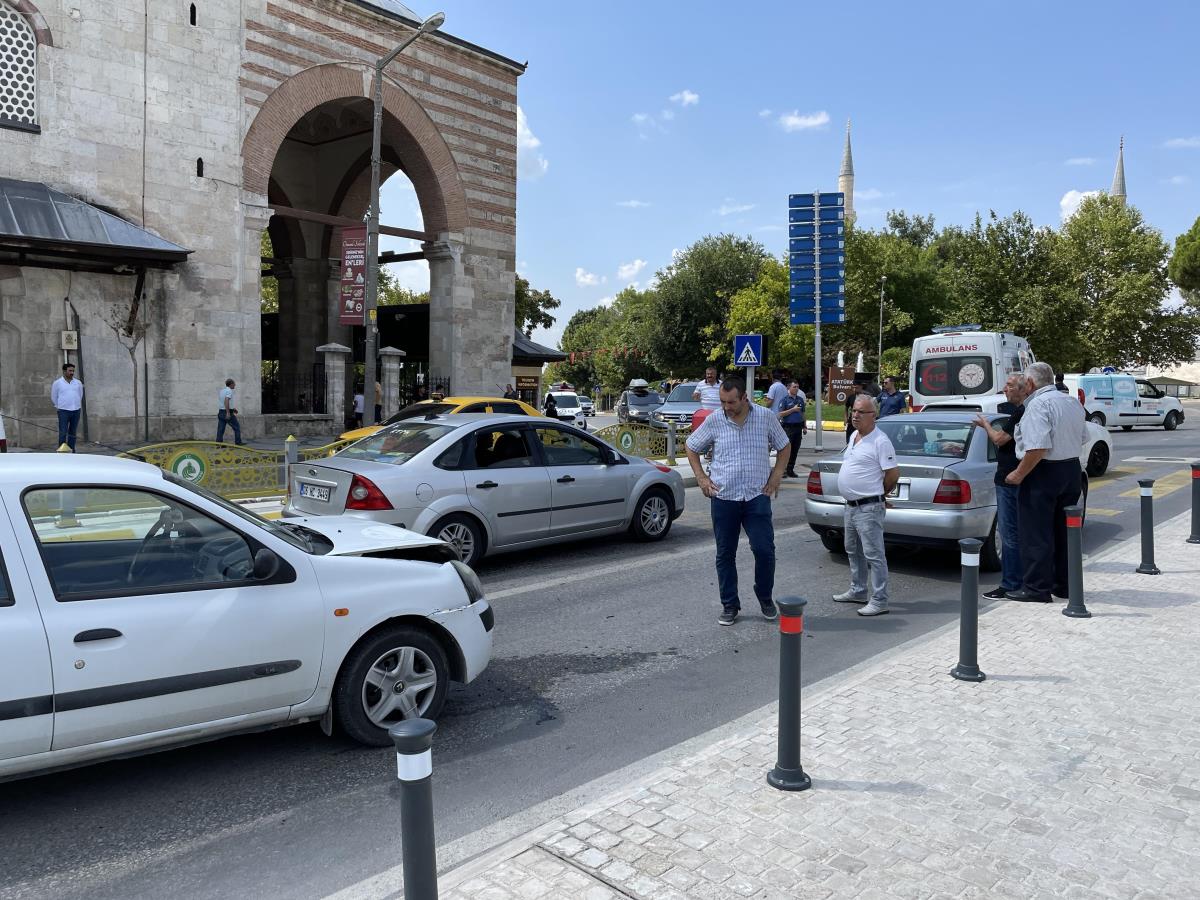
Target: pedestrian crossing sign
(747, 350)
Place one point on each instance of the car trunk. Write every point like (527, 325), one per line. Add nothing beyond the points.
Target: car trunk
(320, 490)
(918, 484)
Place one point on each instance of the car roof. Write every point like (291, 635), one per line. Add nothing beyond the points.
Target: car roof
(462, 420)
(32, 468)
(948, 415)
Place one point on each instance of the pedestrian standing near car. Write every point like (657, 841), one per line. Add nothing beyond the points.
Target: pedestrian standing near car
(227, 413)
(359, 405)
(550, 407)
(1049, 438)
(708, 392)
(869, 472)
(66, 393)
(851, 396)
(378, 403)
(1007, 518)
(891, 401)
(791, 417)
(740, 486)
(509, 393)
(777, 391)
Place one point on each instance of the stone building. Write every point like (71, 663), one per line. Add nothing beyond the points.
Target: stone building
(144, 148)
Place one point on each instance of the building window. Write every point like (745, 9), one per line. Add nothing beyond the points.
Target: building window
(192, 14)
(199, 167)
(18, 71)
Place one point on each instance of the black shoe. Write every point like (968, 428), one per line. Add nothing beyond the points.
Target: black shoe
(997, 594)
(728, 617)
(1028, 596)
(769, 609)
(790, 475)
(1061, 593)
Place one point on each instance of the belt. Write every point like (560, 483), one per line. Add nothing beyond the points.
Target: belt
(878, 498)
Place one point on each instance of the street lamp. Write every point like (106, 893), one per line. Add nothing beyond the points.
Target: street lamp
(879, 357)
(433, 23)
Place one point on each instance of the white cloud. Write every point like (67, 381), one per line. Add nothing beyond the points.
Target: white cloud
(793, 121)
(584, 278)
(606, 301)
(1187, 143)
(729, 207)
(685, 98)
(530, 162)
(642, 118)
(1069, 204)
(633, 204)
(629, 270)
(667, 115)
(868, 194)
(1178, 180)
(1080, 161)
(764, 113)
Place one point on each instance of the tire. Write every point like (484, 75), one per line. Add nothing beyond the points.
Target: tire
(1171, 422)
(400, 655)
(1097, 463)
(1127, 428)
(464, 534)
(991, 552)
(1097, 417)
(652, 517)
(834, 541)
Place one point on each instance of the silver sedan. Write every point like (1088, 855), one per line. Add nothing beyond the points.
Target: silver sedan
(489, 484)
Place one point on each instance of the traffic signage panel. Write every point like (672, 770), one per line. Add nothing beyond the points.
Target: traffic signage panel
(809, 317)
(747, 350)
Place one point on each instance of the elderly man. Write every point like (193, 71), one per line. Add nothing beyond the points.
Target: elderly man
(741, 486)
(1049, 438)
(869, 471)
(1011, 573)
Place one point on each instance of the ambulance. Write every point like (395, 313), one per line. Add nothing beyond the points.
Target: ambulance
(961, 361)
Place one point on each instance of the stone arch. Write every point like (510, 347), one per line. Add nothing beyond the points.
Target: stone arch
(41, 28)
(407, 128)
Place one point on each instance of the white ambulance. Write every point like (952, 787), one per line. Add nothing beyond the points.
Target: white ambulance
(961, 361)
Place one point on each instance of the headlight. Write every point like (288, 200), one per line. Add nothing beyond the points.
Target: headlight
(469, 579)
(658, 416)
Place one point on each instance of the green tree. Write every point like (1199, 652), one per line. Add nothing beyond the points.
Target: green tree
(268, 285)
(686, 328)
(392, 293)
(585, 333)
(1184, 268)
(762, 308)
(917, 230)
(533, 308)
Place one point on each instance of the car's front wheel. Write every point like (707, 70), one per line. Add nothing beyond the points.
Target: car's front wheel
(1097, 417)
(834, 541)
(1097, 463)
(652, 518)
(1171, 422)
(462, 533)
(399, 673)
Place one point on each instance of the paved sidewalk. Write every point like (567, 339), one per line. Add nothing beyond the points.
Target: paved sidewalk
(1073, 771)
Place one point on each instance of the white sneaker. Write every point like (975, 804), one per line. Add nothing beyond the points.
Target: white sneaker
(849, 597)
(872, 610)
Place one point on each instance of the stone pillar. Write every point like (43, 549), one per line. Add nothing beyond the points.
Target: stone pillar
(336, 356)
(390, 380)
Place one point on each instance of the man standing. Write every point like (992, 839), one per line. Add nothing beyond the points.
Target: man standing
(66, 393)
(509, 393)
(358, 406)
(227, 414)
(855, 391)
(869, 471)
(891, 400)
(791, 416)
(741, 486)
(378, 403)
(1049, 438)
(1007, 494)
(777, 391)
(550, 407)
(708, 392)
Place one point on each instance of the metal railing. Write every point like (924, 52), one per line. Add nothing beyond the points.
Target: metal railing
(645, 441)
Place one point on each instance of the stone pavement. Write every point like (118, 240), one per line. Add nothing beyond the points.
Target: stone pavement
(1072, 771)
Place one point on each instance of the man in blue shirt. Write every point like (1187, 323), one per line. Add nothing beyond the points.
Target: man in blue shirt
(891, 401)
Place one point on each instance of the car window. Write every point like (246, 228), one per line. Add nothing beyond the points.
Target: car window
(453, 458)
(682, 393)
(98, 541)
(420, 411)
(475, 408)
(562, 448)
(566, 401)
(397, 444)
(1145, 389)
(508, 409)
(934, 439)
(6, 597)
(502, 448)
(648, 399)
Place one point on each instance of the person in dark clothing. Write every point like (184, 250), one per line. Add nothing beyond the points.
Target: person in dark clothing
(550, 407)
(791, 416)
(509, 393)
(1007, 494)
(1059, 385)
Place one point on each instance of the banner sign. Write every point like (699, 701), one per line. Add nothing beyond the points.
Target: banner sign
(353, 297)
(841, 383)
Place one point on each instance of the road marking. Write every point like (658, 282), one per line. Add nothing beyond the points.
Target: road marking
(1168, 484)
(1163, 459)
(1114, 475)
(1106, 513)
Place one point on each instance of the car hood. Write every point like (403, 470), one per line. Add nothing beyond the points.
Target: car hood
(352, 536)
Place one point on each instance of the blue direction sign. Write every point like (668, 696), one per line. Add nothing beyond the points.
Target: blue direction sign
(816, 258)
(809, 317)
(747, 350)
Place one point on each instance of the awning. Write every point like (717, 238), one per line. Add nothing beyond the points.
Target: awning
(44, 227)
(527, 353)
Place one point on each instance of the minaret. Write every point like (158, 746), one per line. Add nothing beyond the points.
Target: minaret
(1118, 185)
(846, 176)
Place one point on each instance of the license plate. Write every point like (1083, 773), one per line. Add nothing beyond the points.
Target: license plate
(314, 492)
(899, 492)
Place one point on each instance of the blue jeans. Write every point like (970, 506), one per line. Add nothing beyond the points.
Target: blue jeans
(1010, 551)
(864, 546)
(729, 517)
(232, 421)
(68, 421)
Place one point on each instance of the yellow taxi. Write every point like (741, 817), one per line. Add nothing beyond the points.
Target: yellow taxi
(448, 405)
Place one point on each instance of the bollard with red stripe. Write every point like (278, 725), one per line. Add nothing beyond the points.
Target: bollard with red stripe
(1075, 608)
(1146, 489)
(788, 775)
(1194, 537)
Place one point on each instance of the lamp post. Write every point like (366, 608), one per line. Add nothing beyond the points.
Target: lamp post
(879, 357)
(433, 23)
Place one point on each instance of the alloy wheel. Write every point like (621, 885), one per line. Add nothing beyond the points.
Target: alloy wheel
(655, 515)
(460, 537)
(400, 684)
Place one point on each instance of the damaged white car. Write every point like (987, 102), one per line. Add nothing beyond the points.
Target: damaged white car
(138, 611)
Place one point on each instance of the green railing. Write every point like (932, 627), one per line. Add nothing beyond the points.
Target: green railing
(644, 441)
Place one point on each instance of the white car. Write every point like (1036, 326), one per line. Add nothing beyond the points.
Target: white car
(139, 612)
(569, 408)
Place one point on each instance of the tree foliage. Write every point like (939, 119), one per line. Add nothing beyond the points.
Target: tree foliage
(762, 308)
(533, 308)
(1184, 268)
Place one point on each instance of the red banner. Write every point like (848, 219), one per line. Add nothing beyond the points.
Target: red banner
(352, 302)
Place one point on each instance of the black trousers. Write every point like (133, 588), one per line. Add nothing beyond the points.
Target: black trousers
(795, 434)
(1046, 491)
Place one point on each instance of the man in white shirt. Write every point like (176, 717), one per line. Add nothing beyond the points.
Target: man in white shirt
(777, 391)
(67, 396)
(869, 471)
(227, 414)
(708, 392)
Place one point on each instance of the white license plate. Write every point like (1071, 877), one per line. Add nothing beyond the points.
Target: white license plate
(314, 492)
(899, 492)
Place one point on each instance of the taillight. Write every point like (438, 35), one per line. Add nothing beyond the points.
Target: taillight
(1082, 402)
(917, 407)
(814, 483)
(952, 491)
(364, 495)
(662, 468)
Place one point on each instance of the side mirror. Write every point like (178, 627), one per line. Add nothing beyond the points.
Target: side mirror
(266, 564)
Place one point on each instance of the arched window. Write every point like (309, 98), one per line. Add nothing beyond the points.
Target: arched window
(18, 70)
(199, 167)
(192, 14)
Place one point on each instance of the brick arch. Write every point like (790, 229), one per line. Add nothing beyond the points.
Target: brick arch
(407, 128)
(41, 28)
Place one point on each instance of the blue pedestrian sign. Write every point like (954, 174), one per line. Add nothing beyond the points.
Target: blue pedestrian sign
(747, 350)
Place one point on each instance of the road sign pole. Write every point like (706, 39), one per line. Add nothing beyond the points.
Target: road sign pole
(819, 445)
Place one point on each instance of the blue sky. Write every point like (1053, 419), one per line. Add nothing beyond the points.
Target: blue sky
(651, 124)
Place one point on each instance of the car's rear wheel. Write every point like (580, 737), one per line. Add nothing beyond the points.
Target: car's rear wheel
(462, 533)
(1097, 463)
(1127, 428)
(1171, 422)
(1097, 417)
(652, 518)
(991, 552)
(400, 673)
(834, 541)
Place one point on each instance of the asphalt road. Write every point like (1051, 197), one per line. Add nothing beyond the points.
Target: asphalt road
(606, 652)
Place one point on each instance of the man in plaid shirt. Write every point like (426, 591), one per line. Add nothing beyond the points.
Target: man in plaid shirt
(740, 485)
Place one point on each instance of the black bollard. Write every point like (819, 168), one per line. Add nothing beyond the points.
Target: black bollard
(1147, 490)
(788, 775)
(968, 622)
(1075, 608)
(1194, 537)
(414, 767)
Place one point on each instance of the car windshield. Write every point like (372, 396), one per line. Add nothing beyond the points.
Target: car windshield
(933, 439)
(420, 410)
(648, 399)
(396, 444)
(566, 401)
(682, 393)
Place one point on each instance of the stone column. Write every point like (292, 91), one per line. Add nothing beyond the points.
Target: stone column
(390, 380)
(335, 382)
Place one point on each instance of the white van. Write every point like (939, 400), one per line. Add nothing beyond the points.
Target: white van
(961, 361)
(1114, 398)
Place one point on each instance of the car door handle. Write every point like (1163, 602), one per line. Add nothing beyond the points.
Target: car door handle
(487, 484)
(97, 634)
(566, 479)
